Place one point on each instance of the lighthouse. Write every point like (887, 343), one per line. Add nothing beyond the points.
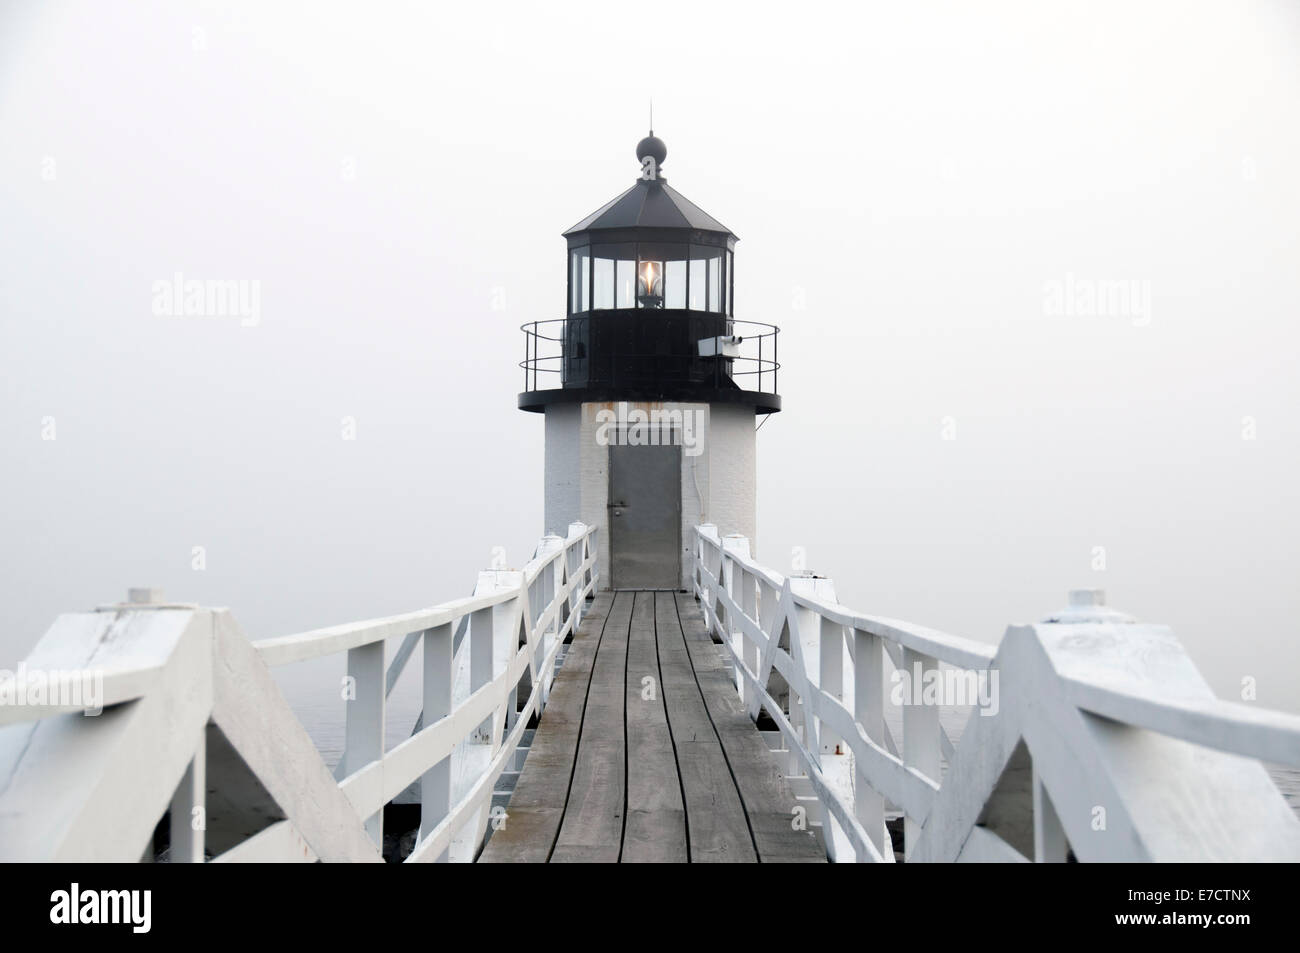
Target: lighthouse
(651, 387)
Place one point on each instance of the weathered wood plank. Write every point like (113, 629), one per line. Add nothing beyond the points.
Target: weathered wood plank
(715, 817)
(678, 754)
(768, 800)
(656, 819)
(536, 808)
(592, 828)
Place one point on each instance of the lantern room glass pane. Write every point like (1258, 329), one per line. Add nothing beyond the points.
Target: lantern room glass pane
(625, 283)
(715, 282)
(649, 283)
(661, 275)
(586, 280)
(602, 296)
(675, 284)
(614, 276)
(579, 280)
(706, 278)
(730, 281)
(697, 287)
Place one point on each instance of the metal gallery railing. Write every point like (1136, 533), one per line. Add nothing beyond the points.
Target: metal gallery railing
(551, 357)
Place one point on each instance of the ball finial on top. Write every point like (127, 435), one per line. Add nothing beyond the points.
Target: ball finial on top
(652, 145)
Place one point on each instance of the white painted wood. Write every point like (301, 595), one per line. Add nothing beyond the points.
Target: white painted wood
(1117, 723)
(78, 788)
(435, 784)
(981, 847)
(365, 720)
(1167, 772)
(1050, 845)
(93, 788)
(253, 715)
(869, 712)
(278, 844)
(188, 809)
(920, 737)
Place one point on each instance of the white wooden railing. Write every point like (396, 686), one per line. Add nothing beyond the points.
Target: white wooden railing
(1096, 736)
(189, 705)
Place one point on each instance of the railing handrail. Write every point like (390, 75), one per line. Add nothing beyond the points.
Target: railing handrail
(330, 640)
(489, 663)
(956, 650)
(748, 605)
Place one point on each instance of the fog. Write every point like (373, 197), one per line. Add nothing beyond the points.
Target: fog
(1035, 267)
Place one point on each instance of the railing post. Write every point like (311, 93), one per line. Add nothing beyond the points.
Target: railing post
(573, 555)
(365, 719)
(921, 748)
(1050, 844)
(869, 712)
(748, 647)
(187, 827)
(734, 582)
(831, 678)
(706, 537)
(810, 638)
(435, 784)
(549, 593)
(493, 643)
(550, 586)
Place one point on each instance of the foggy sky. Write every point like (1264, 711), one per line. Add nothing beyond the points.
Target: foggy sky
(911, 185)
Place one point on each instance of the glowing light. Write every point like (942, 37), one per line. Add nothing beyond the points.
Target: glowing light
(651, 283)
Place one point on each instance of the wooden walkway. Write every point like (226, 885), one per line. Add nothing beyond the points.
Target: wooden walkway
(645, 753)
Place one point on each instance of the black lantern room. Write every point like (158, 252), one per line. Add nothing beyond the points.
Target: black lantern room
(650, 311)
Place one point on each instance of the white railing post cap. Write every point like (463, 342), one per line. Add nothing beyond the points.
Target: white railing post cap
(805, 582)
(495, 580)
(736, 543)
(1088, 605)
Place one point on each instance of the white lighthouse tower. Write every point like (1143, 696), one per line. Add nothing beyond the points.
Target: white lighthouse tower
(650, 386)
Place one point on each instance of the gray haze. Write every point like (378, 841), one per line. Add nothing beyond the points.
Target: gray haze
(910, 183)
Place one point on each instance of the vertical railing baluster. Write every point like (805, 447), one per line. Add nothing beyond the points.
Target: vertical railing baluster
(480, 658)
(1050, 844)
(435, 784)
(748, 648)
(831, 664)
(869, 712)
(921, 748)
(365, 720)
(189, 811)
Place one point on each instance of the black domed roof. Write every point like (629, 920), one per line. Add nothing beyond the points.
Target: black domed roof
(650, 203)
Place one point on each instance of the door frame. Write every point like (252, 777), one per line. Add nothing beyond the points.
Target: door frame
(673, 443)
